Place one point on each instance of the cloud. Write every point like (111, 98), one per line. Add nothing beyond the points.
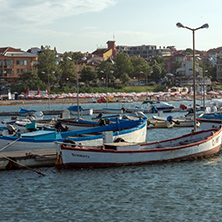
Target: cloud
(42, 12)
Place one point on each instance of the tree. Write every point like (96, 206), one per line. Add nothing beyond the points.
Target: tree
(122, 65)
(47, 66)
(27, 80)
(124, 78)
(141, 67)
(157, 63)
(105, 68)
(156, 74)
(87, 75)
(67, 70)
(77, 56)
(188, 51)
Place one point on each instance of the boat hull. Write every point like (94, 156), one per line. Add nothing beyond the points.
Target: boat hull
(47, 140)
(207, 145)
(210, 123)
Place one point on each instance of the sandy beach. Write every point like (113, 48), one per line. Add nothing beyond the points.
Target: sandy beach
(86, 100)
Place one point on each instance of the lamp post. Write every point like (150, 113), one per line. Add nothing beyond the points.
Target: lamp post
(204, 71)
(180, 25)
(48, 88)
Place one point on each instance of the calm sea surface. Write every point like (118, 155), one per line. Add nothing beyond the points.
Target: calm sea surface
(180, 191)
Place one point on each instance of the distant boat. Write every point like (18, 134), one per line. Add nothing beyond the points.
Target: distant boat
(74, 110)
(187, 147)
(26, 111)
(113, 110)
(210, 120)
(152, 107)
(178, 121)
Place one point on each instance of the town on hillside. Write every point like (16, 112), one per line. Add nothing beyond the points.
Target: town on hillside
(114, 67)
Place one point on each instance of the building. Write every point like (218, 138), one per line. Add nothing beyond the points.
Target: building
(14, 62)
(144, 51)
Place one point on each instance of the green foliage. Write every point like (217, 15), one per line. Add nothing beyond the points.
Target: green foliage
(188, 51)
(47, 66)
(122, 65)
(87, 75)
(124, 78)
(105, 68)
(158, 88)
(141, 68)
(28, 80)
(67, 71)
(76, 56)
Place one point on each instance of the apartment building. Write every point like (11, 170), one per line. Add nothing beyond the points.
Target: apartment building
(14, 62)
(144, 51)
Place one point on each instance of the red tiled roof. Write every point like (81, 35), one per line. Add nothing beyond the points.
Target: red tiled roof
(9, 49)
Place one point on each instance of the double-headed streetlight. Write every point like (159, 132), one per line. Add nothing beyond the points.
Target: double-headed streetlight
(204, 71)
(48, 88)
(180, 25)
(107, 83)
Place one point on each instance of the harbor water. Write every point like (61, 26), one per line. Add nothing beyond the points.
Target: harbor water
(174, 191)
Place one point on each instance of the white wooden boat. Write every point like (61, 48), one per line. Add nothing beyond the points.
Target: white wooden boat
(190, 146)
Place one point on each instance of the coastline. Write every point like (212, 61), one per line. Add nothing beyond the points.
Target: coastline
(86, 100)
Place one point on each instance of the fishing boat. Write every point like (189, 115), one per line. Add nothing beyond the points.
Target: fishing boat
(113, 110)
(151, 107)
(164, 123)
(187, 147)
(74, 110)
(210, 120)
(178, 121)
(129, 129)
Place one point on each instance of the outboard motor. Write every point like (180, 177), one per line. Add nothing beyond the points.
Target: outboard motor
(11, 129)
(100, 115)
(154, 109)
(170, 119)
(60, 128)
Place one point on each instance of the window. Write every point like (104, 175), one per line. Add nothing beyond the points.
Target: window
(0, 63)
(21, 70)
(22, 62)
(17, 62)
(17, 71)
(8, 62)
(25, 62)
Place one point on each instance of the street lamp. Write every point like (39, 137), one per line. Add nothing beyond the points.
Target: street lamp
(141, 72)
(180, 25)
(48, 88)
(204, 71)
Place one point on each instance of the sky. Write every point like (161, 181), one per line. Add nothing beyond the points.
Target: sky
(85, 25)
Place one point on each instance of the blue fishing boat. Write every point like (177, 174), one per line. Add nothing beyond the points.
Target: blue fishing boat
(130, 129)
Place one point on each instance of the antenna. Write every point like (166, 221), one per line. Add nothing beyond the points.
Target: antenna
(113, 36)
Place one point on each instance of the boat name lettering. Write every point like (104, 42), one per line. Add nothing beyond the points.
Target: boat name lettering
(79, 155)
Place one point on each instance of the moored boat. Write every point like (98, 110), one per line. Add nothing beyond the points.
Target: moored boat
(128, 129)
(190, 146)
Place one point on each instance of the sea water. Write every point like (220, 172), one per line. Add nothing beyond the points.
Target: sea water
(175, 191)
